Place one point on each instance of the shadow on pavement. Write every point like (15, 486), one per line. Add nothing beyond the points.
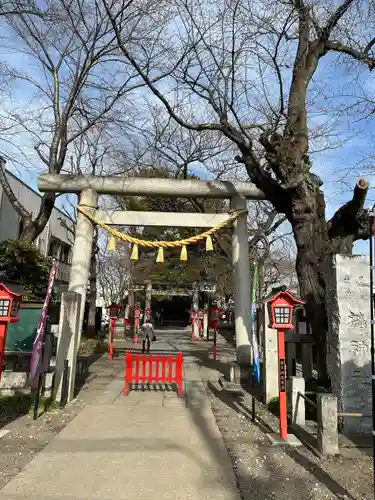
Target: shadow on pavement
(235, 401)
(86, 373)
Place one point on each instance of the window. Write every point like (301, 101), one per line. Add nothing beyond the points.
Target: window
(282, 315)
(65, 253)
(54, 248)
(4, 307)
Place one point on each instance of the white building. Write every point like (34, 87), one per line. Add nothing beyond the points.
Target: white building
(57, 238)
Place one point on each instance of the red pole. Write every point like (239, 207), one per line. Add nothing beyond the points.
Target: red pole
(214, 325)
(179, 379)
(282, 385)
(111, 335)
(128, 372)
(192, 329)
(199, 327)
(3, 337)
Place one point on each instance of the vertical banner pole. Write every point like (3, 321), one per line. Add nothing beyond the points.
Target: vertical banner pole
(254, 341)
(36, 357)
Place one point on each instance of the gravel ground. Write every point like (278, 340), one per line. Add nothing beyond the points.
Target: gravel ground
(274, 473)
(27, 437)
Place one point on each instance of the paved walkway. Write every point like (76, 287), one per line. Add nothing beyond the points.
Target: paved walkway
(145, 446)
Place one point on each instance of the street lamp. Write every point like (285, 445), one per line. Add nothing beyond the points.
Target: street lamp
(9, 307)
(280, 311)
(113, 310)
(137, 313)
(113, 313)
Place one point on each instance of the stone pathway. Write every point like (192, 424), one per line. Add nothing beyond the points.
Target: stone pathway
(150, 444)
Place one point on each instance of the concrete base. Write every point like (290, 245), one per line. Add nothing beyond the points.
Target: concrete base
(275, 440)
(15, 382)
(239, 373)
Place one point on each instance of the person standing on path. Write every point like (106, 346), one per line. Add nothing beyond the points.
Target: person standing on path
(147, 335)
(161, 316)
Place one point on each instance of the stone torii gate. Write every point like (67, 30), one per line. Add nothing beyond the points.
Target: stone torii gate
(88, 188)
(188, 291)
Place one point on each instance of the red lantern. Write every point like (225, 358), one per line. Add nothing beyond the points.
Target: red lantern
(113, 311)
(193, 319)
(280, 311)
(137, 312)
(9, 307)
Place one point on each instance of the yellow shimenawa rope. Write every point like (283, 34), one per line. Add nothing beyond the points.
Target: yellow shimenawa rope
(160, 244)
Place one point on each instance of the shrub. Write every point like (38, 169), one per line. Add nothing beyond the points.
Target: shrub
(25, 265)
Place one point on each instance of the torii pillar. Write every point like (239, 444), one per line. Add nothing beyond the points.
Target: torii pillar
(241, 282)
(148, 294)
(70, 329)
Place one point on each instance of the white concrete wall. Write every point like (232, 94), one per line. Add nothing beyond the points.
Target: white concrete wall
(30, 199)
(9, 219)
(349, 356)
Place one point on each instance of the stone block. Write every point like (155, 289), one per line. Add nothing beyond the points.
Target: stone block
(275, 440)
(348, 339)
(296, 386)
(327, 435)
(68, 341)
(13, 382)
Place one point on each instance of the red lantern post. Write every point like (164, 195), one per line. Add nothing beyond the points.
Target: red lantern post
(280, 308)
(9, 306)
(193, 318)
(200, 313)
(113, 313)
(214, 318)
(137, 313)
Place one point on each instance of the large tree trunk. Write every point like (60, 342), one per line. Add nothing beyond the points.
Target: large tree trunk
(312, 281)
(33, 228)
(313, 250)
